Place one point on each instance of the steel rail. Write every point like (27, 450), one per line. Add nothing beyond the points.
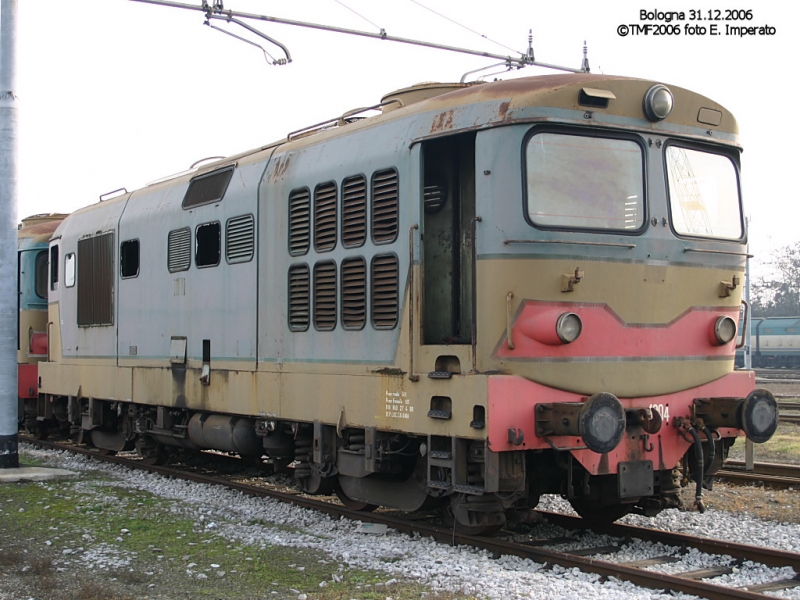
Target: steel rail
(767, 556)
(647, 579)
(766, 468)
(778, 476)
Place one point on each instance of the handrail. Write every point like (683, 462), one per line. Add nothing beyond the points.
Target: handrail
(48, 340)
(745, 323)
(577, 243)
(745, 254)
(411, 301)
(509, 296)
(475, 220)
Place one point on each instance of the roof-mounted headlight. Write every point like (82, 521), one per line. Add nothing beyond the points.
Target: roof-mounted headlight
(658, 102)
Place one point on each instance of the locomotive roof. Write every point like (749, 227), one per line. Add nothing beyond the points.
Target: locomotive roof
(516, 97)
(529, 99)
(40, 227)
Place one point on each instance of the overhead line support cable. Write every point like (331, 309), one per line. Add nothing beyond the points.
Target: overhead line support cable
(521, 61)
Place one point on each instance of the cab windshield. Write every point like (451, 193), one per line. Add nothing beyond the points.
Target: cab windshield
(703, 194)
(583, 182)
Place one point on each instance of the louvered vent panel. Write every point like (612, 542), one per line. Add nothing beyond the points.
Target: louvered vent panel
(354, 293)
(354, 211)
(179, 250)
(240, 239)
(325, 217)
(384, 291)
(103, 279)
(207, 188)
(299, 221)
(433, 198)
(96, 280)
(85, 279)
(325, 296)
(384, 206)
(299, 297)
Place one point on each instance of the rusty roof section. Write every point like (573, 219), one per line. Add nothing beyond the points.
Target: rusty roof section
(562, 91)
(40, 227)
(517, 100)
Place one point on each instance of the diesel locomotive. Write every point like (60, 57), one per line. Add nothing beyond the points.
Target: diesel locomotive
(462, 297)
(33, 238)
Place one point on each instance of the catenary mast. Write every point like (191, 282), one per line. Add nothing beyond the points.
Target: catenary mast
(9, 313)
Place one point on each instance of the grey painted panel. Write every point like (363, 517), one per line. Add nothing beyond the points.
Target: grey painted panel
(216, 303)
(360, 153)
(95, 341)
(500, 203)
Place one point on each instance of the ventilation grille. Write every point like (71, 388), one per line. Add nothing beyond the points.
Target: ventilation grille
(179, 250)
(354, 211)
(354, 293)
(325, 296)
(384, 291)
(240, 239)
(298, 297)
(433, 198)
(207, 188)
(299, 221)
(325, 217)
(384, 206)
(96, 280)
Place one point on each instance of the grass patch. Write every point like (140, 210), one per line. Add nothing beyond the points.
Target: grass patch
(122, 543)
(783, 447)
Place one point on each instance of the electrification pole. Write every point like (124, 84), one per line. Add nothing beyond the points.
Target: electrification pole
(9, 313)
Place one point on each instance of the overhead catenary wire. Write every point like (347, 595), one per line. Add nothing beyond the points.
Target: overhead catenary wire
(514, 61)
(454, 22)
(358, 14)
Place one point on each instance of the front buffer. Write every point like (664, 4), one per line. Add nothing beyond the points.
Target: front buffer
(609, 456)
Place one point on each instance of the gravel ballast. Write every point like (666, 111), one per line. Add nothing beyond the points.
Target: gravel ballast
(263, 525)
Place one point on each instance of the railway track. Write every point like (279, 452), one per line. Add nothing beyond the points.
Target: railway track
(780, 476)
(589, 558)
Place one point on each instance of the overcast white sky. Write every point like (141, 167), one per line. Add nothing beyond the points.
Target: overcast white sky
(116, 93)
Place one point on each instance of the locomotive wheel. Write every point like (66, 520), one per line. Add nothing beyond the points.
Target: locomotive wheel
(36, 429)
(40, 432)
(316, 484)
(354, 504)
(451, 522)
(494, 517)
(599, 515)
(152, 455)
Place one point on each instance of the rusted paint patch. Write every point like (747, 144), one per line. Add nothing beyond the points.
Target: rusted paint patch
(502, 110)
(281, 166)
(603, 466)
(443, 121)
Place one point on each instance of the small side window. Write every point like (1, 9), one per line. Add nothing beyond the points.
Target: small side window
(54, 268)
(41, 274)
(129, 258)
(69, 270)
(207, 245)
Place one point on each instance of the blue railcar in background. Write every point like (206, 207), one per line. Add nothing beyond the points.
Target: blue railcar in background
(774, 342)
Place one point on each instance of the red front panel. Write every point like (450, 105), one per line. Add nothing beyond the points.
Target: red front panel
(512, 402)
(606, 335)
(28, 384)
